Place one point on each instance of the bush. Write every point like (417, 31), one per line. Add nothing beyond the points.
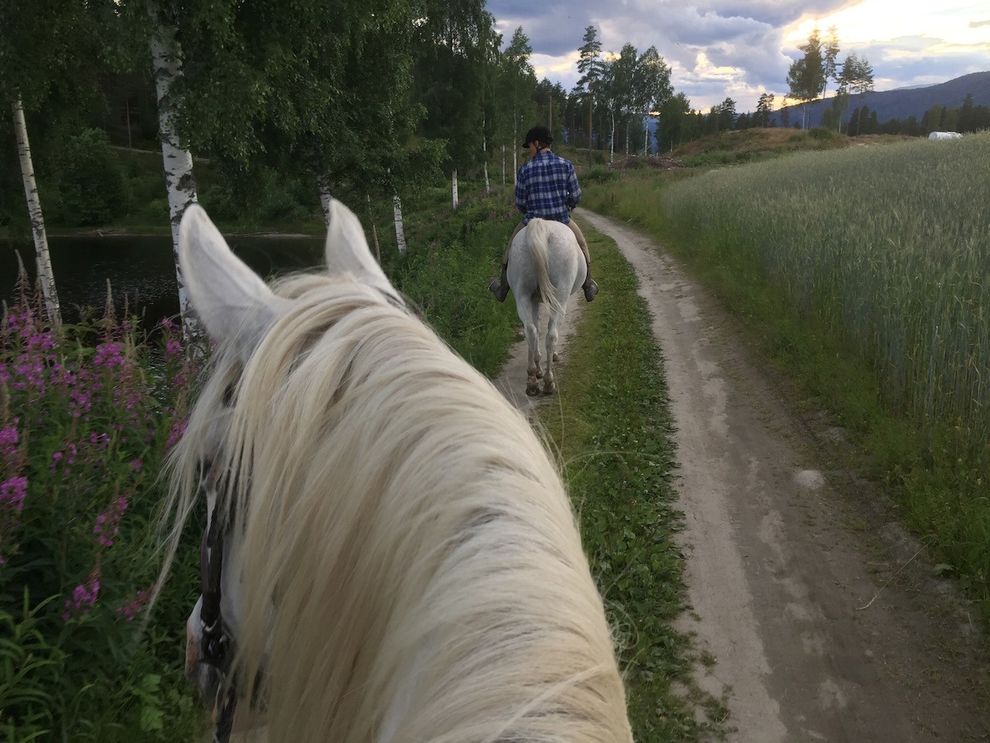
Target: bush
(90, 180)
(85, 420)
(599, 175)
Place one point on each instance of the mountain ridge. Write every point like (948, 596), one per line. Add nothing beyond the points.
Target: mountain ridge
(899, 103)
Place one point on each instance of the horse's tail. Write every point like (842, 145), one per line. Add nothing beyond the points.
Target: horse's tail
(537, 235)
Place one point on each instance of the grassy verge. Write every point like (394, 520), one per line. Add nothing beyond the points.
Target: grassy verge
(451, 253)
(865, 282)
(612, 427)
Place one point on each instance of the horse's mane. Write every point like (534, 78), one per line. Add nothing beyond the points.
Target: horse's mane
(412, 569)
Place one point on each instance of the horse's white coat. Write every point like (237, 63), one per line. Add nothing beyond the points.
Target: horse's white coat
(405, 563)
(545, 265)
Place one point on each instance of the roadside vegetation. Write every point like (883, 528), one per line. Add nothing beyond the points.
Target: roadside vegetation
(612, 428)
(864, 273)
(86, 419)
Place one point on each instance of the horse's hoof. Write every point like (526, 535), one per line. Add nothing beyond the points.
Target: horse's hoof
(556, 357)
(549, 388)
(532, 389)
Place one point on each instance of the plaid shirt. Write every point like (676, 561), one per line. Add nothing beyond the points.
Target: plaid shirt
(547, 187)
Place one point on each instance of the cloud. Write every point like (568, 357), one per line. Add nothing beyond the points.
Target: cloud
(741, 48)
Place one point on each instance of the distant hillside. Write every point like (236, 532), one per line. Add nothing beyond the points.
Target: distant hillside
(903, 102)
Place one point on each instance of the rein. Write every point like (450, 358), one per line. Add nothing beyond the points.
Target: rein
(214, 641)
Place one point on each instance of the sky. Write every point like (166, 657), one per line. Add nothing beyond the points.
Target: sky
(742, 48)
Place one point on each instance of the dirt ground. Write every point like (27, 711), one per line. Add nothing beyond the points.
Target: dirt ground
(821, 616)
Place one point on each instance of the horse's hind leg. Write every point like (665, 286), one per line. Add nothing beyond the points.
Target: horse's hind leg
(549, 380)
(533, 372)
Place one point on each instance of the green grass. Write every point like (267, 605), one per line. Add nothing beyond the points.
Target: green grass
(863, 272)
(612, 427)
(451, 254)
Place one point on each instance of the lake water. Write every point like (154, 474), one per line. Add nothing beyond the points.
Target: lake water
(141, 270)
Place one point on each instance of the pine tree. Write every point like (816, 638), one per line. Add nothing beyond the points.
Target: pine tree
(591, 67)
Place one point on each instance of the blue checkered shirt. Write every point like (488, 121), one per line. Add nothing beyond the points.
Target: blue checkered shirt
(547, 187)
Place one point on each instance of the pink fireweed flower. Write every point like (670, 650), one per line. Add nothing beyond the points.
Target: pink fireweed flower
(173, 347)
(83, 596)
(99, 440)
(109, 354)
(41, 341)
(80, 402)
(29, 371)
(175, 433)
(107, 523)
(137, 464)
(13, 491)
(131, 609)
(9, 438)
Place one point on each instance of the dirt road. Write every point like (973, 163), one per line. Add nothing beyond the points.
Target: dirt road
(823, 618)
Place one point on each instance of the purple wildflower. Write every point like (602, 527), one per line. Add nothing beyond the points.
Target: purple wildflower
(9, 438)
(108, 522)
(83, 596)
(109, 354)
(175, 433)
(13, 491)
(173, 347)
(131, 609)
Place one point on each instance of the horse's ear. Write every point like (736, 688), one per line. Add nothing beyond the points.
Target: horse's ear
(231, 300)
(347, 249)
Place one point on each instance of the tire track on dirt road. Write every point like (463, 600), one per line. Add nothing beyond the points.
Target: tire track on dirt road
(778, 560)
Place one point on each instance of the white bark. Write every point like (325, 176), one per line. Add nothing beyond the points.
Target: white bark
(400, 232)
(611, 143)
(374, 230)
(453, 189)
(45, 276)
(323, 183)
(484, 148)
(180, 184)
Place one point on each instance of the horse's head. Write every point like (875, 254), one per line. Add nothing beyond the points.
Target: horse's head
(389, 547)
(238, 310)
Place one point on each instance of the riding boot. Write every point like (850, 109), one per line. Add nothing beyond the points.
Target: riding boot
(500, 286)
(590, 286)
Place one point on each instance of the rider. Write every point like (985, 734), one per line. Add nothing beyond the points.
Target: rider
(546, 187)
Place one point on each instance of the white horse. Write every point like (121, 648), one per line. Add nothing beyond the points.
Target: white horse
(545, 266)
(401, 562)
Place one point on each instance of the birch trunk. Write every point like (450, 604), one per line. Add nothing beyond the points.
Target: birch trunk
(180, 184)
(611, 143)
(627, 139)
(484, 149)
(323, 183)
(374, 230)
(400, 231)
(453, 189)
(45, 276)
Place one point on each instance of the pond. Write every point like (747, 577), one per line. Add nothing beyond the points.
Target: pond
(141, 269)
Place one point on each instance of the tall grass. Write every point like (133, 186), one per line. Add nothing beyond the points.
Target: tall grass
(883, 253)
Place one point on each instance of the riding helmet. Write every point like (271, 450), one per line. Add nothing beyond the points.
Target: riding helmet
(538, 134)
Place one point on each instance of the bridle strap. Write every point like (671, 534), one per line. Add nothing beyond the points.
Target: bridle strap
(213, 644)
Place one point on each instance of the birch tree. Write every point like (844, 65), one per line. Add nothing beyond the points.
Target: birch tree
(46, 278)
(39, 43)
(180, 184)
